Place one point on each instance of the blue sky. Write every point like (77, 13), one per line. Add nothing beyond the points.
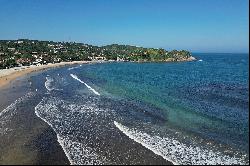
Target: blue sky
(195, 25)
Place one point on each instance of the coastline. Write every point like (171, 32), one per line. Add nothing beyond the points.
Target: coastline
(34, 141)
(38, 143)
(25, 138)
(39, 146)
(8, 75)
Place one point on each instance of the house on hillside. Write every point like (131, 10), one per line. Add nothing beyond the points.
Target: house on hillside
(11, 49)
(19, 42)
(23, 61)
(99, 58)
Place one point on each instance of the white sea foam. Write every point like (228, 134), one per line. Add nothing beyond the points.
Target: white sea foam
(87, 109)
(12, 106)
(200, 60)
(8, 112)
(177, 152)
(48, 83)
(71, 68)
(89, 87)
(77, 153)
(60, 140)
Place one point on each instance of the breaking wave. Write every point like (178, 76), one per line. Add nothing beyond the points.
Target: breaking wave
(71, 68)
(48, 84)
(177, 152)
(76, 151)
(89, 87)
(10, 111)
(12, 106)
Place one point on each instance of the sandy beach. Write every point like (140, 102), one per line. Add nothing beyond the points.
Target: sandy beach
(8, 75)
(34, 142)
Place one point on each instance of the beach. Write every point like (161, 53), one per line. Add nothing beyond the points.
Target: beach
(26, 139)
(128, 113)
(109, 83)
(8, 75)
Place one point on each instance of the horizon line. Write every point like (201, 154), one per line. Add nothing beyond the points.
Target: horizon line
(195, 52)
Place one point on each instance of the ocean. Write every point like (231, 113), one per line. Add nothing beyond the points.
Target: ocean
(146, 113)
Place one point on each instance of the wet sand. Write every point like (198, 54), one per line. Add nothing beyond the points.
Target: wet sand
(25, 138)
(29, 140)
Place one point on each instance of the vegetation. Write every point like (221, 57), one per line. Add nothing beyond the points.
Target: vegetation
(27, 52)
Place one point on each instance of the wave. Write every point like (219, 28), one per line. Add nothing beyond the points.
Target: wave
(10, 111)
(12, 106)
(77, 153)
(176, 152)
(89, 87)
(71, 68)
(200, 60)
(59, 139)
(48, 83)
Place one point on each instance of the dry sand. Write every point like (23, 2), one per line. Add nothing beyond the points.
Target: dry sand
(8, 75)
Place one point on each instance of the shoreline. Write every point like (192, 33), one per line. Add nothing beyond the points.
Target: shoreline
(33, 142)
(8, 75)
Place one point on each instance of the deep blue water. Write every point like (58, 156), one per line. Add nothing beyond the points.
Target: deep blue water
(187, 112)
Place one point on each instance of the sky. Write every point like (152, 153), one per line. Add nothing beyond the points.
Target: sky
(193, 25)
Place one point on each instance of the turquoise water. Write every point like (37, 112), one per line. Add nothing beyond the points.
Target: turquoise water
(184, 112)
(207, 97)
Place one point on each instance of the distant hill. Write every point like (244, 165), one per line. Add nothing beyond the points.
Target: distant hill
(27, 52)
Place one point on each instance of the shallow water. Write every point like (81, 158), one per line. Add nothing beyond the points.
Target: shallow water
(150, 113)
